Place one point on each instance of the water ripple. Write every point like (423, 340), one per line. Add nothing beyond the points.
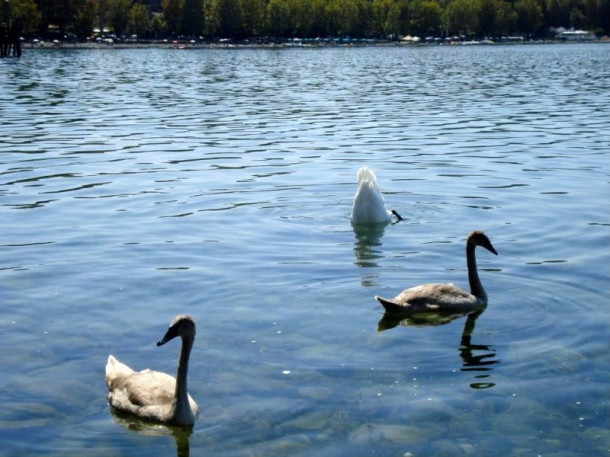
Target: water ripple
(220, 182)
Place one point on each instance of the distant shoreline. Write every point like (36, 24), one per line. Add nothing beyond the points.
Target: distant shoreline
(286, 45)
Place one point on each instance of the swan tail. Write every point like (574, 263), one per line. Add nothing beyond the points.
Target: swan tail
(390, 305)
(366, 174)
(369, 206)
(115, 370)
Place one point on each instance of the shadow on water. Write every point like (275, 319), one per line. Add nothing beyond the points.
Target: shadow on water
(181, 434)
(477, 358)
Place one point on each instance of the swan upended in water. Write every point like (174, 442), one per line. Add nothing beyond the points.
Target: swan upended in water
(153, 395)
(445, 297)
(369, 206)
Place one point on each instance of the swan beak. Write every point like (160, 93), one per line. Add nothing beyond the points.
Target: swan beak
(490, 248)
(169, 335)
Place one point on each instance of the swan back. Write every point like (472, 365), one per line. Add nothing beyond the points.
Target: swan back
(369, 206)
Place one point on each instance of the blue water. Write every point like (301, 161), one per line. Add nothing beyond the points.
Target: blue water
(140, 184)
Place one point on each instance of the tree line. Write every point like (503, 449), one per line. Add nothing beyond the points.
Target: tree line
(238, 19)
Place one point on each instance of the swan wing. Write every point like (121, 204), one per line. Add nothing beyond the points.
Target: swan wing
(147, 387)
(149, 394)
(430, 298)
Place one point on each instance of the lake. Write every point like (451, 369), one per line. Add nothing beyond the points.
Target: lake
(139, 184)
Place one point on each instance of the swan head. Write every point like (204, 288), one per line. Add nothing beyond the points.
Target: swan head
(182, 326)
(478, 238)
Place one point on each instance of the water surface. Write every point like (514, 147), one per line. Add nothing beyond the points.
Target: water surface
(140, 184)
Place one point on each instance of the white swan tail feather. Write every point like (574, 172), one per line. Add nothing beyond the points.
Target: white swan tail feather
(366, 174)
(115, 370)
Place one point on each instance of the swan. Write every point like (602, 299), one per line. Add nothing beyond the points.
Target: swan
(369, 207)
(445, 297)
(153, 395)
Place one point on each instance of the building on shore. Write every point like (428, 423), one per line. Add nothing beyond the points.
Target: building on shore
(575, 35)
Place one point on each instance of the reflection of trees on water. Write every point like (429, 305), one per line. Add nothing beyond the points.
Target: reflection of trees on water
(475, 357)
(181, 434)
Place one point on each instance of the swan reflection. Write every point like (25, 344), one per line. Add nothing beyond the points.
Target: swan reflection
(367, 239)
(181, 434)
(367, 245)
(477, 358)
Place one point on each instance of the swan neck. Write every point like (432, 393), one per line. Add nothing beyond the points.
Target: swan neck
(476, 288)
(181, 397)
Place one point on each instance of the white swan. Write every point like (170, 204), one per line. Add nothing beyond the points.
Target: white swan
(153, 395)
(369, 207)
(445, 297)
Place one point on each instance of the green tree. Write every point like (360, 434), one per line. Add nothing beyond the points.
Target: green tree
(192, 21)
(352, 17)
(139, 21)
(333, 13)
(461, 17)
(529, 16)
(172, 13)
(577, 18)
(158, 26)
(601, 15)
(230, 16)
(104, 12)
(557, 13)
(380, 15)
(393, 24)
(27, 12)
(298, 17)
(277, 14)
(504, 19)
(84, 18)
(356, 18)
(319, 22)
(487, 21)
(394, 17)
(254, 17)
(58, 13)
(119, 16)
(427, 18)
